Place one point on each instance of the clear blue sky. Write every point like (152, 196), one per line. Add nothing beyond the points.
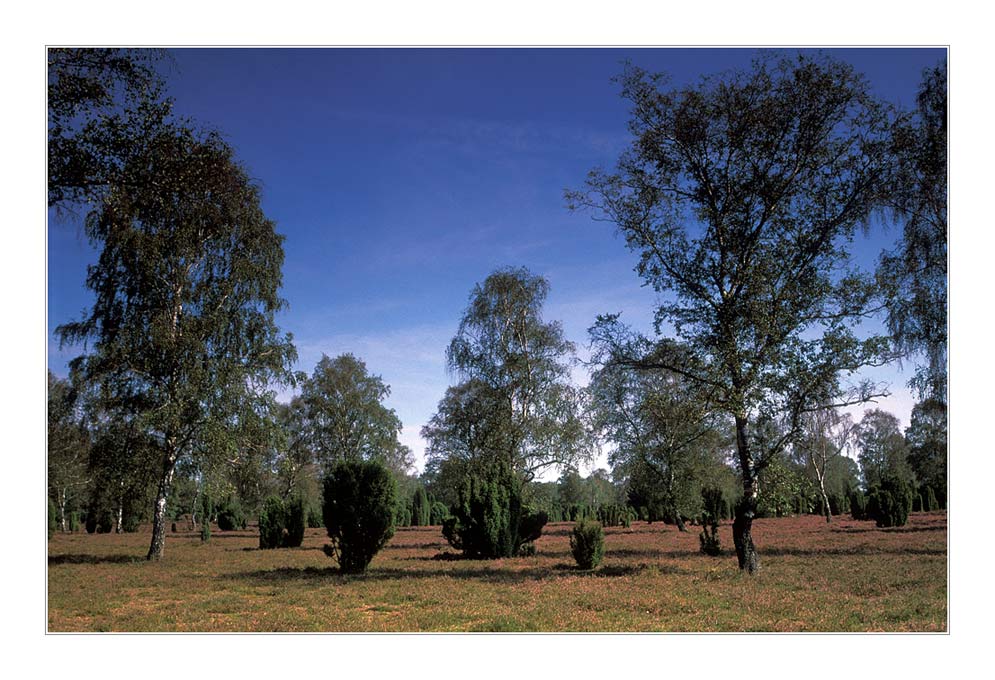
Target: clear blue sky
(402, 177)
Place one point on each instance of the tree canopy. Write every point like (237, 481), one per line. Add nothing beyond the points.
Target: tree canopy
(741, 195)
(915, 272)
(186, 288)
(344, 418)
(516, 402)
(102, 106)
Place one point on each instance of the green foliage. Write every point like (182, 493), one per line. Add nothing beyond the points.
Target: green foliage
(515, 402)
(932, 505)
(915, 273)
(314, 520)
(724, 194)
(889, 504)
(69, 483)
(781, 488)
(421, 510)
(712, 502)
(272, 523)
(230, 515)
(74, 521)
(587, 543)
(883, 451)
(342, 407)
(206, 511)
(402, 513)
(359, 512)
(181, 335)
(53, 520)
(858, 505)
(614, 515)
(439, 513)
(295, 512)
(98, 519)
(488, 520)
(926, 437)
(101, 105)
(134, 511)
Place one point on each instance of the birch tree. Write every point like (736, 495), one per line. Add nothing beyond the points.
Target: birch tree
(741, 195)
(826, 435)
(181, 334)
(516, 402)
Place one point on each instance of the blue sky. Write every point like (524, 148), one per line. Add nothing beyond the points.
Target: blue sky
(402, 177)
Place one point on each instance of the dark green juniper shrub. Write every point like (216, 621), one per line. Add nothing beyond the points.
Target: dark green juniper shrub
(858, 505)
(53, 522)
(402, 513)
(709, 536)
(587, 543)
(931, 504)
(206, 510)
(230, 515)
(359, 512)
(272, 523)
(421, 510)
(314, 520)
(295, 515)
(888, 504)
(488, 520)
(439, 513)
(614, 515)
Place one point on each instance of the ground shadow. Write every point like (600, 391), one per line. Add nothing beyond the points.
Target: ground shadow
(855, 551)
(889, 530)
(93, 559)
(414, 546)
(643, 528)
(487, 575)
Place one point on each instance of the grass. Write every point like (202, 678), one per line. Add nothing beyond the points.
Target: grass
(846, 576)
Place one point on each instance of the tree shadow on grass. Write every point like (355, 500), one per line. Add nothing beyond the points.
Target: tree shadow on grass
(861, 550)
(486, 575)
(888, 530)
(93, 559)
(414, 546)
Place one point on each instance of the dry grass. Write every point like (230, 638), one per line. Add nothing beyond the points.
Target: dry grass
(847, 576)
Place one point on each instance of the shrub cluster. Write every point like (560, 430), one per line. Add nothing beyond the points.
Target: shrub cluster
(421, 509)
(359, 512)
(615, 515)
(587, 543)
(206, 510)
(488, 519)
(230, 515)
(712, 509)
(858, 505)
(98, 520)
(889, 504)
(282, 524)
(439, 513)
(53, 522)
(314, 520)
(295, 516)
(272, 523)
(932, 505)
(402, 513)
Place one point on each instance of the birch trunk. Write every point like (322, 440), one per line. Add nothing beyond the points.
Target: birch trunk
(742, 537)
(159, 514)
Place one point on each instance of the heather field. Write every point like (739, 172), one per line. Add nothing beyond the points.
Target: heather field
(847, 576)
